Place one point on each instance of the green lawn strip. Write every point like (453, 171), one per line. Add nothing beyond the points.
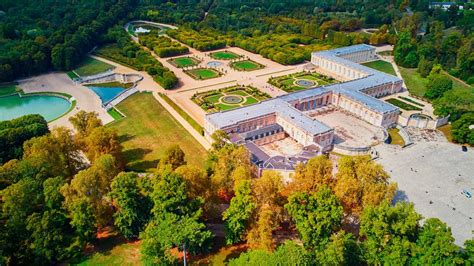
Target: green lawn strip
(71, 75)
(395, 137)
(203, 73)
(147, 130)
(403, 105)
(8, 90)
(114, 84)
(183, 114)
(411, 101)
(131, 30)
(224, 55)
(91, 66)
(246, 65)
(114, 114)
(381, 65)
(250, 100)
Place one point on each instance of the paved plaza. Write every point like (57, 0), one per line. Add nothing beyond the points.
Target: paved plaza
(432, 175)
(349, 130)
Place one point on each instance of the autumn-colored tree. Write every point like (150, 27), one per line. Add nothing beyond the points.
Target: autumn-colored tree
(103, 140)
(310, 177)
(361, 183)
(173, 157)
(268, 214)
(224, 163)
(84, 122)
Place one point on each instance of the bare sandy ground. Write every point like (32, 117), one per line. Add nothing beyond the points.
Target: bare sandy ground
(285, 147)
(86, 99)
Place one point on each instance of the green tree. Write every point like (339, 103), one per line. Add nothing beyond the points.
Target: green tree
(405, 50)
(133, 207)
(237, 216)
(437, 86)
(175, 222)
(88, 189)
(435, 245)
(341, 250)
(316, 216)
(390, 233)
(462, 129)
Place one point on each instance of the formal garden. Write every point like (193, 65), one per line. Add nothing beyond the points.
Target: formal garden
(203, 73)
(246, 65)
(225, 55)
(229, 98)
(300, 81)
(182, 62)
(162, 45)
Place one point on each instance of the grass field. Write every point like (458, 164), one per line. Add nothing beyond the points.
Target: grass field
(91, 66)
(224, 55)
(416, 84)
(446, 130)
(183, 114)
(8, 90)
(395, 137)
(381, 65)
(203, 73)
(411, 100)
(246, 65)
(181, 62)
(111, 249)
(403, 105)
(148, 129)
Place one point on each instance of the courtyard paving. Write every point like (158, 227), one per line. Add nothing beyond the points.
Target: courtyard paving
(432, 175)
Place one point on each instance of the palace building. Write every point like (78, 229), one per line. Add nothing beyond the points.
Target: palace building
(357, 94)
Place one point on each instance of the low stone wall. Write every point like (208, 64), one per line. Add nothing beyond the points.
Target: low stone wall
(423, 123)
(406, 138)
(351, 150)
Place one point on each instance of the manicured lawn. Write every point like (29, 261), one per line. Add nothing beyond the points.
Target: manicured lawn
(395, 137)
(203, 73)
(148, 129)
(381, 65)
(214, 98)
(403, 105)
(224, 55)
(416, 84)
(250, 100)
(181, 62)
(8, 90)
(246, 65)
(91, 66)
(71, 75)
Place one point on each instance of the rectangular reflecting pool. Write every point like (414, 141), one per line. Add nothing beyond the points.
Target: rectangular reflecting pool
(106, 93)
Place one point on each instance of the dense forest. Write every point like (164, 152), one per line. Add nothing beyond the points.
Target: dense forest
(37, 37)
